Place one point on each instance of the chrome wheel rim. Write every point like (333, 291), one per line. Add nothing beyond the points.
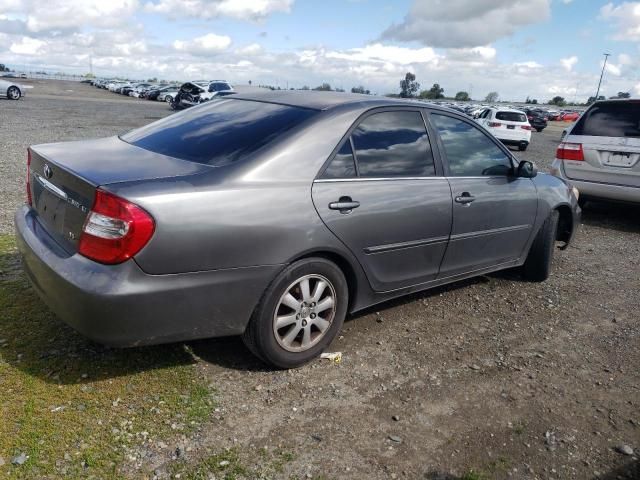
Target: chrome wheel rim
(304, 313)
(14, 94)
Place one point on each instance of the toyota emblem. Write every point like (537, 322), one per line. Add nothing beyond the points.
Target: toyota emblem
(47, 171)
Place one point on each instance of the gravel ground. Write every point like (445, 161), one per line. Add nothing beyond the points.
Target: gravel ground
(488, 378)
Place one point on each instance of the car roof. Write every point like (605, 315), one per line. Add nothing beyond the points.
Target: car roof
(320, 100)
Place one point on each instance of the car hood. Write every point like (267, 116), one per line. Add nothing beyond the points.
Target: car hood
(111, 160)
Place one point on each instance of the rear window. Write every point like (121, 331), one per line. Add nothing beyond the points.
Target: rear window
(614, 119)
(218, 132)
(511, 116)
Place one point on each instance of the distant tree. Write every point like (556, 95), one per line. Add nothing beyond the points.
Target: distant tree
(359, 89)
(492, 97)
(152, 80)
(557, 100)
(3, 68)
(462, 97)
(593, 99)
(623, 95)
(249, 82)
(305, 87)
(434, 92)
(338, 89)
(531, 100)
(408, 86)
(325, 87)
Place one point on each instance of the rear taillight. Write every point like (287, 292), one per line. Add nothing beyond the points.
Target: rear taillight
(29, 199)
(570, 151)
(115, 229)
(526, 127)
(494, 124)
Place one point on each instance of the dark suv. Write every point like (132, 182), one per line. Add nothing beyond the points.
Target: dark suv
(536, 119)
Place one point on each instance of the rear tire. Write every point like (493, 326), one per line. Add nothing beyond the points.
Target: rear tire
(14, 93)
(281, 346)
(539, 130)
(537, 266)
(522, 147)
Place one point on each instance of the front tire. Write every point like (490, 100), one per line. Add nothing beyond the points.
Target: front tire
(300, 313)
(537, 266)
(14, 93)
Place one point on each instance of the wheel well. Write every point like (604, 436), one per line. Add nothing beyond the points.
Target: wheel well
(344, 265)
(565, 224)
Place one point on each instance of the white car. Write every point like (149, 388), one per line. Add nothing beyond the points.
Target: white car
(11, 89)
(509, 126)
(600, 153)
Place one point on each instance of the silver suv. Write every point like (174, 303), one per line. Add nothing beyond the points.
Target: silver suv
(600, 153)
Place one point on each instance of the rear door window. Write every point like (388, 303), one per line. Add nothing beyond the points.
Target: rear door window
(218, 133)
(511, 116)
(393, 144)
(343, 164)
(612, 119)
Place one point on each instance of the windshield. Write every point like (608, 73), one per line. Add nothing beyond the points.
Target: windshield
(220, 132)
(613, 119)
(511, 116)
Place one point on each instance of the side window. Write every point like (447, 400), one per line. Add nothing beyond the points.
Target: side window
(393, 144)
(470, 153)
(343, 164)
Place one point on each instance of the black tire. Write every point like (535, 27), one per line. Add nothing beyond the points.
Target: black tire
(260, 338)
(522, 147)
(14, 93)
(539, 130)
(537, 266)
(582, 202)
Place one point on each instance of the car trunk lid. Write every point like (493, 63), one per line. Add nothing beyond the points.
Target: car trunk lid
(65, 176)
(606, 159)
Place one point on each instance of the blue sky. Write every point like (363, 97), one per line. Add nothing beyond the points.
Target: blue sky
(538, 48)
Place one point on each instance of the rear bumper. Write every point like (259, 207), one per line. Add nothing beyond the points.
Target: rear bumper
(597, 190)
(120, 305)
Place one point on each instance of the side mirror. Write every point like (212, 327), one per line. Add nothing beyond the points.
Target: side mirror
(526, 169)
(564, 134)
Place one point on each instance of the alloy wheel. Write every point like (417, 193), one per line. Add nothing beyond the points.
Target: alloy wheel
(13, 93)
(304, 313)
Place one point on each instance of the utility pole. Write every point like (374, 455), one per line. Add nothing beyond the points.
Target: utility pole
(606, 56)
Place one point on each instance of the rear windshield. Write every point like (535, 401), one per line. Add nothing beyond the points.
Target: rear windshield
(511, 117)
(218, 132)
(614, 119)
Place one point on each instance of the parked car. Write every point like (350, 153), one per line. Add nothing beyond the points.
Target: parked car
(156, 93)
(199, 91)
(600, 153)
(11, 90)
(509, 126)
(536, 120)
(273, 215)
(568, 116)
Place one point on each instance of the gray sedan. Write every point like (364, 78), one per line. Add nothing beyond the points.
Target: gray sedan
(274, 215)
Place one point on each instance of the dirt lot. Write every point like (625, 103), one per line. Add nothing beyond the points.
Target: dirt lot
(488, 378)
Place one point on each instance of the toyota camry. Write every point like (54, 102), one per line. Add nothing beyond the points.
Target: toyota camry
(274, 215)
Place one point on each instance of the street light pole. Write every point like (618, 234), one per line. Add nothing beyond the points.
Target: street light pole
(606, 56)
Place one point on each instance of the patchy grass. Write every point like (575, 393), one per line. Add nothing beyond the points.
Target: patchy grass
(230, 465)
(76, 408)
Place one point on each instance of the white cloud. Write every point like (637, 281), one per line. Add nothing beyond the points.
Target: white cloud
(204, 45)
(249, 50)
(626, 20)
(637, 88)
(569, 62)
(379, 53)
(242, 9)
(613, 69)
(27, 46)
(43, 15)
(466, 23)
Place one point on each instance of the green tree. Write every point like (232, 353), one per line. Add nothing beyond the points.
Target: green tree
(462, 97)
(492, 97)
(325, 87)
(557, 100)
(623, 95)
(434, 92)
(408, 86)
(360, 89)
(593, 99)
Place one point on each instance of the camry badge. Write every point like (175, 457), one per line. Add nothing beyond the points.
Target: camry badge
(48, 173)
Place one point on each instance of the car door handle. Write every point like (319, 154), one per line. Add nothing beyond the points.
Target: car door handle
(466, 198)
(345, 205)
